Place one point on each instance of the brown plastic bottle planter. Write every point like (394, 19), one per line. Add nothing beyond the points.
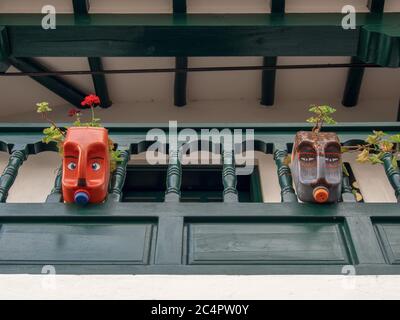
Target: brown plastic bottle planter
(86, 165)
(317, 166)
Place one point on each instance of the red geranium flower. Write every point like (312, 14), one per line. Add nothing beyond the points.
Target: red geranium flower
(73, 112)
(91, 101)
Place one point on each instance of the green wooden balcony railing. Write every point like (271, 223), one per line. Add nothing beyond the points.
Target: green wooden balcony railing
(177, 237)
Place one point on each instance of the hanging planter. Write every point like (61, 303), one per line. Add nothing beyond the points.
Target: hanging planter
(317, 161)
(317, 166)
(88, 154)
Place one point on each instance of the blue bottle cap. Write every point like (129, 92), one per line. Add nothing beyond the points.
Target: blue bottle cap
(81, 197)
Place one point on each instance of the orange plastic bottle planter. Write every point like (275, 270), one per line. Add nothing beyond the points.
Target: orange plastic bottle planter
(86, 165)
(317, 167)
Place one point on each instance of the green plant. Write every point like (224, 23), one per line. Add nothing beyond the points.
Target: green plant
(57, 135)
(376, 146)
(322, 115)
(372, 151)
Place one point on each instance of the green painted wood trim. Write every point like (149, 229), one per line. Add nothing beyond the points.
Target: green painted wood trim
(353, 84)
(229, 179)
(285, 176)
(81, 7)
(364, 241)
(268, 82)
(180, 82)
(18, 155)
(376, 6)
(392, 173)
(56, 193)
(99, 82)
(347, 190)
(354, 225)
(174, 177)
(169, 248)
(119, 176)
(55, 84)
(277, 6)
(320, 34)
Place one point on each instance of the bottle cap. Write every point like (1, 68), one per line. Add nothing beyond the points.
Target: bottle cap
(321, 194)
(81, 197)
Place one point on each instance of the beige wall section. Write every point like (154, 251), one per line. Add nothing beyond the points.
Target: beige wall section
(35, 178)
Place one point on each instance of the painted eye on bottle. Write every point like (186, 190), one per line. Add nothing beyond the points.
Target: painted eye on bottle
(71, 166)
(309, 157)
(96, 166)
(332, 159)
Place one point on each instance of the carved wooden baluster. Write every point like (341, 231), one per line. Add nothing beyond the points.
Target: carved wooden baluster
(17, 158)
(347, 190)
(174, 177)
(229, 177)
(118, 177)
(392, 173)
(285, 176)
(56, 193)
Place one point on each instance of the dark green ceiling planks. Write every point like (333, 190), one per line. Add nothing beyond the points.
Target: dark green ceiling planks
(314, 34)
(53, 83)
(81, 9)
(180, 84)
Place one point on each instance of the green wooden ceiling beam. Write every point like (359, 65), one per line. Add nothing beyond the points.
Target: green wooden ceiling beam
(277, 6)
(99, 82)
(314, 34)
(353, 84)
(180, 84)
(376, 6)
(269, 76)
(355, 75)
(179, 6)
(81, 8)
(55, 84)
(4, 50)
(268, 82)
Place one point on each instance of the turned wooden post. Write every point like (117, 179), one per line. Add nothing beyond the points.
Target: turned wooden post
(118, 177)
(229, 179)
(392, 173)
(56, 193)
(18, 155)
(174, 177)
(285, 176)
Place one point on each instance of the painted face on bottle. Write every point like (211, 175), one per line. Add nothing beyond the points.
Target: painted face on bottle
(86, 165)
(317, 167)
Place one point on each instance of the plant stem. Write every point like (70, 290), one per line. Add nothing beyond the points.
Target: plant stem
(91, 108)
(52, 123)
